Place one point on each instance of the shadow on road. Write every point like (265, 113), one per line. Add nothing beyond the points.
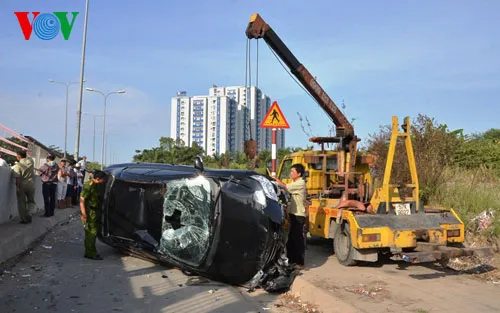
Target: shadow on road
(320, 251)
(441, 271)
(165, 289)
(54, 276)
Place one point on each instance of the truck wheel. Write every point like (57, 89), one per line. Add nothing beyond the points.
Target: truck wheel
(342, 245)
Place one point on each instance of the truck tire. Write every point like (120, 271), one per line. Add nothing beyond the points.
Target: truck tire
(344, 251)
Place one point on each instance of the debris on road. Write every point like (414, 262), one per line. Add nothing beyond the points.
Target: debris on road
(372, 290)
(291, 301)
(471, 265)
(484, 219)
(46, 246)
(485, 269)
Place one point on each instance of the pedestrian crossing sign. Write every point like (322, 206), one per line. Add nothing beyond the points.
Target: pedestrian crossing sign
(274, 118)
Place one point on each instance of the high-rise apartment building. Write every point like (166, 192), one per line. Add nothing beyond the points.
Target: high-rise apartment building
(180, 126)
(258, 104)
(223, 120)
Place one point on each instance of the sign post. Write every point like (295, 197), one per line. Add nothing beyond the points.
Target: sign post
(274, 119)
(273, 154)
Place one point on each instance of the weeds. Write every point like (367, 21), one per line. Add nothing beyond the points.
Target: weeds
(470, 192)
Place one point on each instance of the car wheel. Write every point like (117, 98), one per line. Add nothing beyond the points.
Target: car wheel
(342, 245)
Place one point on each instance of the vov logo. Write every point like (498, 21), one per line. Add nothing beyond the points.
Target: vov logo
(46, 26)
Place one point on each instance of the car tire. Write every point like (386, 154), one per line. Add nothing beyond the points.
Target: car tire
(342, 245)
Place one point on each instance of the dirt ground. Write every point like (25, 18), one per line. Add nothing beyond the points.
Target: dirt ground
(388, 286)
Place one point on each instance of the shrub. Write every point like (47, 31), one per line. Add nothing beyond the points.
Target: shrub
(434, 146)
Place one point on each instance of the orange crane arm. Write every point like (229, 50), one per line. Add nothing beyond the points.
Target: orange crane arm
(258, 28)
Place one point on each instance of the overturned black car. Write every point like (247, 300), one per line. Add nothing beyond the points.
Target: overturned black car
(226, 225)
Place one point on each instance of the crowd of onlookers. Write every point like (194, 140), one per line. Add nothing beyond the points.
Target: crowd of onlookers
(61, 183)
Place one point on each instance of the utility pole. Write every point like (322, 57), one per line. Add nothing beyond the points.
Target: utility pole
(79, 111)
(104, 121)
(66, 119)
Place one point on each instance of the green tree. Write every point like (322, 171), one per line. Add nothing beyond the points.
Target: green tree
(281, 153)
(492, 134)
(480, 150)
(7, 157)
(434, 145)
(264, 156)
(169, 151)
(224, 160)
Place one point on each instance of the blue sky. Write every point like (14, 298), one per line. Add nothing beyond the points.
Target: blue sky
(383, 58)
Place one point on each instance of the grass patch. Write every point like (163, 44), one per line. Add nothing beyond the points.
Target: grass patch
(470, 192)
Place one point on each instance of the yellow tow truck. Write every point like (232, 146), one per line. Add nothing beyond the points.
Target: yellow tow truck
(364, 221)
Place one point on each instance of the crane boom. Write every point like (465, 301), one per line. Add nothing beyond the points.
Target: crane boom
(258, 28)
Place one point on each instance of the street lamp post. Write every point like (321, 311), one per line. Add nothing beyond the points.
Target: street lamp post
(93, 148)
(104, 119)
(66, 120)
(82, 71)
(93, 144)
(93, 138)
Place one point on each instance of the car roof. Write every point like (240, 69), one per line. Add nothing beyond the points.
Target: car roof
(160, 171)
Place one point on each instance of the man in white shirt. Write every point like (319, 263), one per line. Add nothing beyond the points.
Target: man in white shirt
(83, 165)
(295, 244)
(62, 186)
(3, 163)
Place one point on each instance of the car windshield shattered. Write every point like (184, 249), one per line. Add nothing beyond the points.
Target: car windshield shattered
(187, 211)
(227, 225)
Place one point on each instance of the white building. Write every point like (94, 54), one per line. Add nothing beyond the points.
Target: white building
(180, 127)
(258, 104)
(223, 120)
(221, 127)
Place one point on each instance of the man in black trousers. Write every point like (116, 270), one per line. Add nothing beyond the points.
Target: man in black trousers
(48, 175)
(295, 245)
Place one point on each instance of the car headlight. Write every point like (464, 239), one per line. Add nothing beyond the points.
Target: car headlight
(267, 186)
(260, 197)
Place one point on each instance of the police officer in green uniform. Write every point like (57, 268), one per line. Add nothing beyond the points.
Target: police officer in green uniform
(90, 202)
(24, 172)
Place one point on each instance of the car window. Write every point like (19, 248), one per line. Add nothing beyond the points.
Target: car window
(187, 210)
(331, 163)
(285, 169)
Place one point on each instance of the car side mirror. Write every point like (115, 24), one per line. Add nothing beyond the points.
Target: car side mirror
(198, 164)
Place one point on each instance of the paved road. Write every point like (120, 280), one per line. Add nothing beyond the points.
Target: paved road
(387, 286)
(56, 278)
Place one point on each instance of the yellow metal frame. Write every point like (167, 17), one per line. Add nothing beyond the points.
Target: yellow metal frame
(319, 178)
(322, 211)
(389, 193)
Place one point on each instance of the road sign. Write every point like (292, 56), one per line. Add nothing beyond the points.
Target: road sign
(274, 118)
